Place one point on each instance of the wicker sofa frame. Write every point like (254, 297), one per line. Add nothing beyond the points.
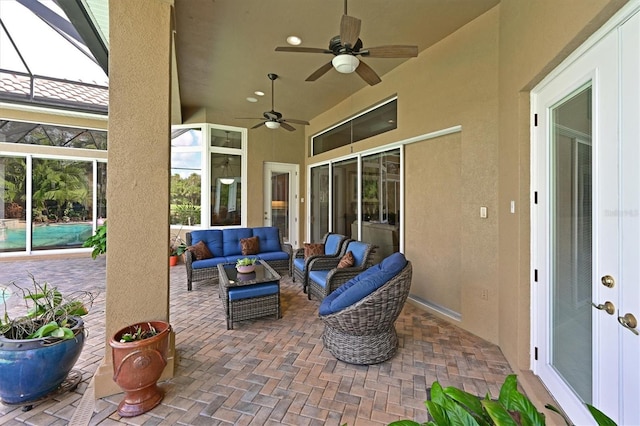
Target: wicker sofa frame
(211, 274)
(364, 333)
(337, 276)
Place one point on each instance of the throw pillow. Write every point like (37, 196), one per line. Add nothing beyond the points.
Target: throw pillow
(200, 251)
(250, 245)
(346, 261)
(313, 249)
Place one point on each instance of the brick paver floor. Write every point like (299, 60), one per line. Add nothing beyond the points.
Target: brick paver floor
(265, 371)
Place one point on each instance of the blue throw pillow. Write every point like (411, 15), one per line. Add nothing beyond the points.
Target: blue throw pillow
(363, 284)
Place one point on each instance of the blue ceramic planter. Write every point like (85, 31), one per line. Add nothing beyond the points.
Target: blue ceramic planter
(32, 368)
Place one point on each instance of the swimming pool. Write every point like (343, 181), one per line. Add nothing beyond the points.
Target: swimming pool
(66, 235)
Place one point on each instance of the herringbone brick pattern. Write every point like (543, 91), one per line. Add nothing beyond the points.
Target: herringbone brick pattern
(265, 371)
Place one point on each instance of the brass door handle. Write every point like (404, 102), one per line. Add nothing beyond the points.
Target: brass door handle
(629, 322)
(607, 307)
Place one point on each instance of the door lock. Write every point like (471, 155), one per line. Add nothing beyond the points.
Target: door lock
(607, 307)
(608, 281)
(629, 322)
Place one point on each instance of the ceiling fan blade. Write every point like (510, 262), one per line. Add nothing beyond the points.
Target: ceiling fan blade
(291, 120)
(258, 125)
(320, 72)
(287, 126)
(368, 74)
(392, 51)
(302, 49)
(349, 30)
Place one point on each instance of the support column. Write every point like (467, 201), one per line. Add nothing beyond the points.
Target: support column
(138, 172)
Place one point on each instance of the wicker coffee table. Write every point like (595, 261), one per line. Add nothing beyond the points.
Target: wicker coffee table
(249, 296)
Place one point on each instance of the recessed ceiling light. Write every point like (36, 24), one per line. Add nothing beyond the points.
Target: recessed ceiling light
(252, 99)
(294, 40)
(259, 93)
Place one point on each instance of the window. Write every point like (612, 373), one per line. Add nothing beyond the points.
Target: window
(48, 135)
(207, 164)
(379, 119)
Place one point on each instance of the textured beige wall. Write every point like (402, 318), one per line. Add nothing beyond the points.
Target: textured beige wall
(139, 160)
(455, 253)
(534, 38)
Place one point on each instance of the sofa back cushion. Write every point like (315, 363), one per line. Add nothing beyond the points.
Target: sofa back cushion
(333, 243)
(211, 237)
(231, 240)
(363, 284)
(269, 237)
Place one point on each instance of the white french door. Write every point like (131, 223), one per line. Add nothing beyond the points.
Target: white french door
(586, 226)
(280, 199)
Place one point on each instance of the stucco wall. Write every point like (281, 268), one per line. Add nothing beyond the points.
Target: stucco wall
(455, 252)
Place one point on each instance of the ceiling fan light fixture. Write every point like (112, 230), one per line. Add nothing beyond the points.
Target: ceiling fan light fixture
(272, 124)
(226, 181)
(345, 63)
(294, 40)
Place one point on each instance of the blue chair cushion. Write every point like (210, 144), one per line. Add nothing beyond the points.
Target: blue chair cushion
(298, 263)
(319, 276)
(256, 290)
(211, 237)
(363, 284)
(358, 249)
(231, 240)
(269, 238)
(332, 244)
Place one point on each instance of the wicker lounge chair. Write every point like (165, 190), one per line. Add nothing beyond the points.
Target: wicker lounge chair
(333, 248)
(324, 276)
(364, 332)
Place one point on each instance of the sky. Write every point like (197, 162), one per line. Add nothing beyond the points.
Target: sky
(45, 52)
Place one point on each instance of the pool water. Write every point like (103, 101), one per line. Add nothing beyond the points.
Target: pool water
(47, 236)
(5, 294)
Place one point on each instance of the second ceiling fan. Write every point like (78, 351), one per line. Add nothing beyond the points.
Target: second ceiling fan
(273, 119)
(346, 48)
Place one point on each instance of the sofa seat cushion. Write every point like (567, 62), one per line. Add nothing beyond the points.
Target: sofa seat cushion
(319, 276)
(269, 238)
(274, 255)
(256, 290)
(208, 263)
(298, 263)
(363, 284)
(231, 240)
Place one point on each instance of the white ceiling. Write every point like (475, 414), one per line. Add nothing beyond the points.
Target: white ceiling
(225, 49)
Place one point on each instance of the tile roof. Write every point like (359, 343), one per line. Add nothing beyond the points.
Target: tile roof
(53, 92)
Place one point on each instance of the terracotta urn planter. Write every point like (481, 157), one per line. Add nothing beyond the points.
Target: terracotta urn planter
(138, 364)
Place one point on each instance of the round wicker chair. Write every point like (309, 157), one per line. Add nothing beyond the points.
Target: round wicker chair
(364, 333)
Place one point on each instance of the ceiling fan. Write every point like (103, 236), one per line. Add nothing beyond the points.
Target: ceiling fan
(273, 119)
(346, 48)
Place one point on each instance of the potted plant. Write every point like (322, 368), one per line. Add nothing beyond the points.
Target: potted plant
(39, 348)
(453, 406)
(139, 357)
(177, 247)
(98, 241)
(246, 265)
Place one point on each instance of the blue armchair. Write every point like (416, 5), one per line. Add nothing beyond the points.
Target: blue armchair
(324, 276)
(333, 246)
(360, 316)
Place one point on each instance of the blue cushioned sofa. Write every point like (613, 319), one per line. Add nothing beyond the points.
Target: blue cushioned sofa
(224, 244)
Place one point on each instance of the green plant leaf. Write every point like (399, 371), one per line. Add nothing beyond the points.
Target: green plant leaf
(438, 413)
(601, 418)
(498, 413)
(508, 391)
(529, 415)
(556, 410)
(404, 423)
(471, 402)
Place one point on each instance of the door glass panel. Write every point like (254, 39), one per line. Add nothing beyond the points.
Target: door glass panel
(62, 203)
(571, 341)
(13, 207)
(280, 203)
(319, 202)
(226, 190)
(345, 198)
